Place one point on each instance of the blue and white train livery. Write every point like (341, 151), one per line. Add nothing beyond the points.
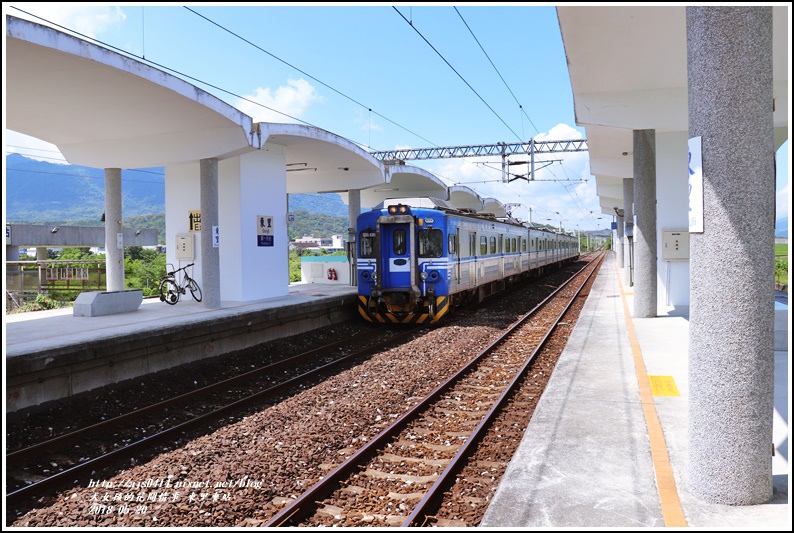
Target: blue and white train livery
(419, 258)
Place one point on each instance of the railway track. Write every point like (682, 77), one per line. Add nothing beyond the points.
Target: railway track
(400, 476)
(338, 416)
(29, 468)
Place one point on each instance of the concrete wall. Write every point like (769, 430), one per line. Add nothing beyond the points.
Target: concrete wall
(315, 270)
(37, 235)
(182, 195)
(249, 186)
(46, 375)
(672, 196)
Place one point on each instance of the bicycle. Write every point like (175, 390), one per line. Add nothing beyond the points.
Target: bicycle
(170, 289)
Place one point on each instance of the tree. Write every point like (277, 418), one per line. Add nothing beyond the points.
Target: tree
(145, 271)
(75, 253)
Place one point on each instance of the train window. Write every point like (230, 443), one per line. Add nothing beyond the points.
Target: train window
(431, 242)
(493, 245)
(452, 244)
(399, 242)
(472, 244)
(483, 245)
(367, 243)
(515, 248)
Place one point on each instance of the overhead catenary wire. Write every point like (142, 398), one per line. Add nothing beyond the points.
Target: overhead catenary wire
(458, 74)
(496, 69)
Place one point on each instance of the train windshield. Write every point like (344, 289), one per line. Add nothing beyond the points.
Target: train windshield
(400, 242)
(367, 244)
(431, 243)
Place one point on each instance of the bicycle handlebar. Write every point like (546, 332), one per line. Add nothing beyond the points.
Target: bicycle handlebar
(180, 268)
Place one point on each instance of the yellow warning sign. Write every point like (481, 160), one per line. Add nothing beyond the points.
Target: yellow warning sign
(663, 386)
(194, 220)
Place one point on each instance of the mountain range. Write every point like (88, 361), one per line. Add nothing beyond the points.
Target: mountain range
(38, 192)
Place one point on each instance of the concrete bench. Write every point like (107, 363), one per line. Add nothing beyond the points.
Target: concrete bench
(107, 303)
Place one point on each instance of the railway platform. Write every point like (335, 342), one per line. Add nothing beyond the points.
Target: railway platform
(593, 452)
(52, 354)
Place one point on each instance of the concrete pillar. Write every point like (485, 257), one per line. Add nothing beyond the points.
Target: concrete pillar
(645, 230)
(353, 210)
(12, 254)
(628, 231)
(620, 243)
(731, 326)
(353, 207)
(210, 255)
(114, 245)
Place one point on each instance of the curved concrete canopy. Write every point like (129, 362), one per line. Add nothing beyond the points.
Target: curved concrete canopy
(402, 181)
(320, 161)
(105, 110)
(462, 196)
(492, 205)
(628, 70)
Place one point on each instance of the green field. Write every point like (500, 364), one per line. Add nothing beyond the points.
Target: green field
(781, 263)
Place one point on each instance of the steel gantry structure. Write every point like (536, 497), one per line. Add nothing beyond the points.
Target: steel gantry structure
(530, 148)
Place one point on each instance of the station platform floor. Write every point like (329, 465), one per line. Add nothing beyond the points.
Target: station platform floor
(26, 333)
(587, 459)
(594, 449)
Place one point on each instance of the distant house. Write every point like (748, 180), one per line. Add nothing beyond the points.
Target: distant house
(309, 242)
(295, 245)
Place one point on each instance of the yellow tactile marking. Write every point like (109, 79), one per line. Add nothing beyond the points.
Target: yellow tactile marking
(672, 512)
(663, 386)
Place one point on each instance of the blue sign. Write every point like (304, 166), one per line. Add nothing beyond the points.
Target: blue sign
(614, 225)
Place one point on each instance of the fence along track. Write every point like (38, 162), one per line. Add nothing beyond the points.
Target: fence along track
(379, 484)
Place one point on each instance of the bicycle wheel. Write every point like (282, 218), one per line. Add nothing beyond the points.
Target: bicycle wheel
(195, 290)
(169, 292)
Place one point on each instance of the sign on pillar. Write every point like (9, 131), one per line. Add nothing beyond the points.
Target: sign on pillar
(194, 220)
(695, 185)
(264, 230)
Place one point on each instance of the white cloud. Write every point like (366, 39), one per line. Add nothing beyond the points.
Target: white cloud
(292, 99)
(89, 20)
(19, 143)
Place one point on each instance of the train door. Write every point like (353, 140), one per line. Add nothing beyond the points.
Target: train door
(396, 255)
(501, 251)
(456, 252)
(473, 264)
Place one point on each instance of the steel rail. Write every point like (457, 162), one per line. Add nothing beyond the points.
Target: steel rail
(431, 502)
(38, 488)
(305, 503)
(14, 458)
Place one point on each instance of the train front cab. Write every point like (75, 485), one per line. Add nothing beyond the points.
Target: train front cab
(402, 268)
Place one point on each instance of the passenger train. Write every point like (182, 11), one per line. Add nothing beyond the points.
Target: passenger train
(417, 259)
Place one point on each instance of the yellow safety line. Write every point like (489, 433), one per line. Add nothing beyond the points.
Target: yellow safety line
(672, 512)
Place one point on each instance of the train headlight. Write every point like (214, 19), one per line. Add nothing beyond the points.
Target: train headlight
(423, 275)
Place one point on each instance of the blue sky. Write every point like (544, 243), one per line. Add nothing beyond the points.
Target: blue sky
(384, 77)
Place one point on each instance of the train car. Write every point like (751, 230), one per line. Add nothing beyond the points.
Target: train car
(417, 259)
